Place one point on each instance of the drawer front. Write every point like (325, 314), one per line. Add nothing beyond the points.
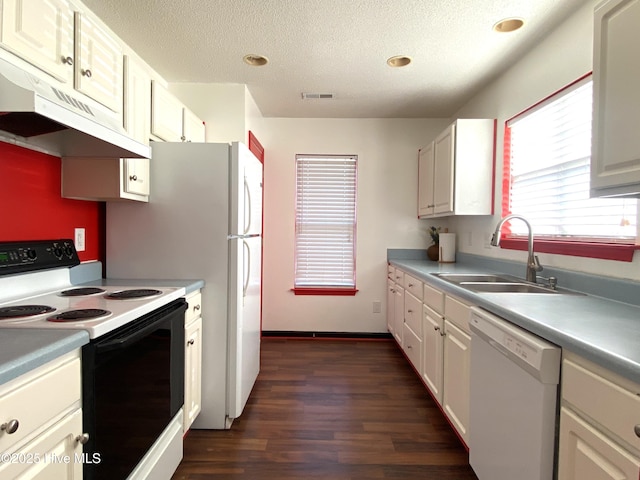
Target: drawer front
(433, 298)
(391, 271)
(616, 408)
(398, 276)
(412, 346)
(413, 313)
(39, 400)
(413, 285)
(457, 313)
(195, 307)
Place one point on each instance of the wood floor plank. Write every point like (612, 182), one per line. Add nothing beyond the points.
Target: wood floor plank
(331, 409)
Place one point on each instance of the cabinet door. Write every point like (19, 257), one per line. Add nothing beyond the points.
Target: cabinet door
(426, 161)
(193, 127)
(137, 100)
(443, 171)
(166, 114)
(398, 317)
(455, 399)
(99, 63)
(615, 163)
(45, 457)
(412, 346)
(587, 454)
(41, 32)
(193, 372)
(136, 176)
(433, 328)
(391, 296)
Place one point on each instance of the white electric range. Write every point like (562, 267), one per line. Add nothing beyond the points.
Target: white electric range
(135, 355)
(47, 298)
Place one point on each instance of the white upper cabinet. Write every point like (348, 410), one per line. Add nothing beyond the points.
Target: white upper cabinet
(192, 126)
(98, 63)
(615, 162)
(426, 158)
(456, 170)
(137, 100)
(41, 32)
(171, 121)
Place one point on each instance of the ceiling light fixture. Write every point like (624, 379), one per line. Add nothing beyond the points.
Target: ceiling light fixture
(255, 60)
(507, 25)
(399, 61)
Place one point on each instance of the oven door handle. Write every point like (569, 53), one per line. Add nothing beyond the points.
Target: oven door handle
(136, 332)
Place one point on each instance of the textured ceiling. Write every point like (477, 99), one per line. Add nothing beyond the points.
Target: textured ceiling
(335, 46)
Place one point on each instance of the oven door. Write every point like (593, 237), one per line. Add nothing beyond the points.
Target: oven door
(133, 385)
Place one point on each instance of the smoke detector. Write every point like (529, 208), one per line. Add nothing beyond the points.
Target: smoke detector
(311, 96)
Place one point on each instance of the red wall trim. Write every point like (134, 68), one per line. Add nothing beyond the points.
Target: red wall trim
(256, 147)
(344, 292)
(32, 208)
(606, 251)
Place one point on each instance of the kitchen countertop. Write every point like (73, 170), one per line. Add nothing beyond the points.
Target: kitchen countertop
(604, 331)
(24, 350)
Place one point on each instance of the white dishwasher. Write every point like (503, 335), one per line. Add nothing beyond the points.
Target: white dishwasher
(513, 401)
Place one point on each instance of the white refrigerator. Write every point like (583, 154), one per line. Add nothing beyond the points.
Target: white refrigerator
(203, 221)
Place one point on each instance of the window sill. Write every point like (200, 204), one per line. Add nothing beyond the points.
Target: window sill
(605, 251)
(335, 291)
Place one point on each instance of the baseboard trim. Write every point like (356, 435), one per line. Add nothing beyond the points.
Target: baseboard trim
(329, 335)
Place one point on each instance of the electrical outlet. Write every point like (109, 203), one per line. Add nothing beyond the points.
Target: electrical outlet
(79, 239)
(377, 307)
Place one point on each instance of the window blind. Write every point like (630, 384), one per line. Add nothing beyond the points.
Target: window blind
(550, 153)
(325, 221)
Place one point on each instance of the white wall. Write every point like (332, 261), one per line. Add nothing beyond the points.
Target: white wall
(560, 58)
(386, 214)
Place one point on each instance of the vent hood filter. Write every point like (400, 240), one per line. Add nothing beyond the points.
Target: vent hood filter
(36, 115)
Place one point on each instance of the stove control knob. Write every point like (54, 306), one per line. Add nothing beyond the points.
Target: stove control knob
(10, 427)
(68, 251)
(57, 251)
(31, 253)
(82, 439)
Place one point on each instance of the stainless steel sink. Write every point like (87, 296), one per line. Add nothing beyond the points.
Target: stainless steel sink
(476, 277)
(511, 287)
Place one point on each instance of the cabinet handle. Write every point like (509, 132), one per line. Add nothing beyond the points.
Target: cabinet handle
(183, 138)
(409, 347)
(443, 334)
(191, 341)
(436, 328)
(409, 311)
(82, 439)
(410, 285)
(86, 73)
(11, 426)
(67, 60)
(636, 429)
(133, 178)
(196, 307)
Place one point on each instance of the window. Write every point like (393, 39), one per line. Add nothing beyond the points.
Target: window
(325, 235)
(547, 154)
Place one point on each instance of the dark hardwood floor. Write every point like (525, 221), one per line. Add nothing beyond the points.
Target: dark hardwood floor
(331, 409)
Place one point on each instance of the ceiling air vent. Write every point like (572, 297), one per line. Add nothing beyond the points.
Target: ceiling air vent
(309, 96)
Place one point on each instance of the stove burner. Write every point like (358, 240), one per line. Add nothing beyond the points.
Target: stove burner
(133, 293)
(24, 311)
(81, 314)
(78, 292)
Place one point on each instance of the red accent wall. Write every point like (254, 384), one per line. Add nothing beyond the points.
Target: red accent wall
(31, 207)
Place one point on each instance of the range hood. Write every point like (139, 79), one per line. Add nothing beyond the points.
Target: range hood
(37, 115)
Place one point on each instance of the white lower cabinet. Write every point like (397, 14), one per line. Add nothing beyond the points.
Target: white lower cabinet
(433, 346)
(42, 419)
(456, 361)
(192, 360)
(412, 346)
(599, 424)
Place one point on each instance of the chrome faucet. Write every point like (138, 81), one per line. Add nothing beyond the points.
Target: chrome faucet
(533, 264)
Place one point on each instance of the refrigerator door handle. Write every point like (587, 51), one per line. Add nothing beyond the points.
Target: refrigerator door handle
(246, 267)
(247, 206)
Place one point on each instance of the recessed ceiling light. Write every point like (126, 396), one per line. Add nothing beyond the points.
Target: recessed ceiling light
(255, 60)
(508, 25)
(399, 61)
